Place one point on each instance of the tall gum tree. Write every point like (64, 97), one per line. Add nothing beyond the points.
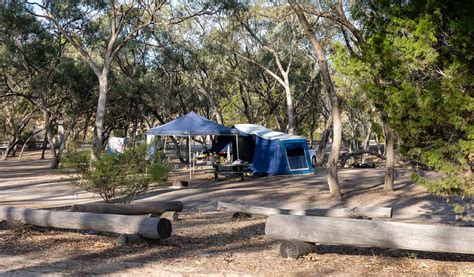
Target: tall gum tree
(333, 181)
(339, 17)
(283, 74)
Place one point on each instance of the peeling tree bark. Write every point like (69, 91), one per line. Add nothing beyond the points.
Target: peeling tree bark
(99, 115)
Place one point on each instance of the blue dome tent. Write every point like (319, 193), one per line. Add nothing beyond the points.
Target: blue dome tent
(275, 153)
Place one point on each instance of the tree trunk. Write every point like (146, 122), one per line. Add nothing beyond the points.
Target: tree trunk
(311, 136)
(365, 146)
(26, 143)
(289, 108)
(323, 142)
(378, 145)
(43, 146)
(11, 144)
(212, 102)
(15, 146)
(178, 151)
(390, 154)
(86, 127)
(99, 116)
(47, 127)
(335, 112)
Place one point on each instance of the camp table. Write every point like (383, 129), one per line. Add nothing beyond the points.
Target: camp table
(230, 169)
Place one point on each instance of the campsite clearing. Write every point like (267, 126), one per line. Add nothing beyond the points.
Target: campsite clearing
(204, 241)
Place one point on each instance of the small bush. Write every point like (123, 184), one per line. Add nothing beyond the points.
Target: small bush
(117, 177)
(159, 172)
(79, 160)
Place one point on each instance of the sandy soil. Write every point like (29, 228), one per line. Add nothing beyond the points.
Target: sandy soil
(205, 242)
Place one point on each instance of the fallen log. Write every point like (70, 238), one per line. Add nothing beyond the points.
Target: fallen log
(140, 208)
(294, 249)
(359, 232)
(353, 212)
(147, 227)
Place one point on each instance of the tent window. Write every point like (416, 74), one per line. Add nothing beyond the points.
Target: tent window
(296, 156)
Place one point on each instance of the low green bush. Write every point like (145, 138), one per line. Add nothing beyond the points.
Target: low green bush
(117, 177)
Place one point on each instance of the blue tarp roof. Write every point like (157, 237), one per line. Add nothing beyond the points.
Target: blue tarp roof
(191, 124)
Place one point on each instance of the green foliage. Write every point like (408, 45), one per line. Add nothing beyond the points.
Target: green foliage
(159, 172)
(79, 160)
(416, 68)
(117, 177)
(450, 185)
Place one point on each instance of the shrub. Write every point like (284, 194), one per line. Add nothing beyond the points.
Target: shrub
(117, 177)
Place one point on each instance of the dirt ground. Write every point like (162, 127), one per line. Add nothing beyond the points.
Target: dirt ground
(205, 242)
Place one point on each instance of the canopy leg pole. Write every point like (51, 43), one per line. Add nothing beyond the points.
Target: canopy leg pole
(237, 144)
(190, 160)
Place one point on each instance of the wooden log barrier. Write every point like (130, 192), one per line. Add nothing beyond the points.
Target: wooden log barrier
(140, 208)
(359, 232)
(294, 249)
(354, 212)
(147, 227)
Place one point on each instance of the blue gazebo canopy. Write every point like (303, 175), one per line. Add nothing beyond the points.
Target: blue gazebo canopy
(191, 124)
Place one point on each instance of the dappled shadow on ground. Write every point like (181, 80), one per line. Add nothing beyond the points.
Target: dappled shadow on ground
(195, 238)
(109, 257)
(205, 242)
(390, 252)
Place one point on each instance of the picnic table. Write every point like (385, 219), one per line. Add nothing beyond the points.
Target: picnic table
(232, 169)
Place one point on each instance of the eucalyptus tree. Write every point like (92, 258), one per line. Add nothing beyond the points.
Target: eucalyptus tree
(417, 69)
(30, 58)
(334, 99)
(16, 116)
(99, 30)
(274, 34)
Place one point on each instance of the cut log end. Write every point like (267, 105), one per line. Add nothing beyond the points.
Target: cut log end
(293, 249)
(173, 216)
(164, 228)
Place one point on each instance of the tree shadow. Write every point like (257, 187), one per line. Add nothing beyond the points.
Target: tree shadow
(323, 249)
(136, 256)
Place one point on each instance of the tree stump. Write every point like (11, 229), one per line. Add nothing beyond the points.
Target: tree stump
(293, 249)
(125, 239)
(179, 184)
